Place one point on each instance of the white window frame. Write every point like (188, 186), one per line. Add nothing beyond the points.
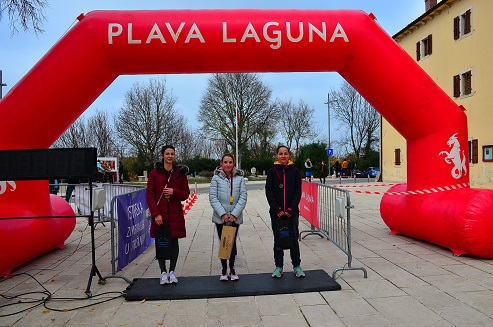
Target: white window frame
(400, 156)
(422, 48)
(462, 83)
(462, 24)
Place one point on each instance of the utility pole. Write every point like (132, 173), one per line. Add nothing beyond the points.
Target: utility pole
(329, 148)
(2, 84)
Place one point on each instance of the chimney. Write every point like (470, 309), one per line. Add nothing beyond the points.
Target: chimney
(430, 4)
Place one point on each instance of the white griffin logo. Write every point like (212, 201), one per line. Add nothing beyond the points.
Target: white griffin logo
(454, 157)
(3, 186)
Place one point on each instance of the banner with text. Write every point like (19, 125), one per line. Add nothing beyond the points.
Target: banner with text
(133, 227)
(309, 203)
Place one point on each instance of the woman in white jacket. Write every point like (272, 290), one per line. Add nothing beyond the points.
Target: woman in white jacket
(228, 197)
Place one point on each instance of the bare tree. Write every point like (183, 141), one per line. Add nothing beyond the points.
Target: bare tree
(76, 136)
(218, 108)
(296, 123)
(188, 145)
(261, 144)
(101, 134)
(148, 120)
(24, 13)
(358, 118)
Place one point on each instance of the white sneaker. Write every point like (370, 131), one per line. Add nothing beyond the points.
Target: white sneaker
(233, 275)
(172, 278)
(164, 279)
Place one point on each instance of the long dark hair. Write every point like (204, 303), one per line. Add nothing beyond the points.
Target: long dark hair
(282, 146)
(227, 155)
(159, 166)
(168, 146)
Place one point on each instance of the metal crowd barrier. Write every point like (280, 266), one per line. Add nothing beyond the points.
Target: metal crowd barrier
(114, 236)
(334, 213)
(80, 198)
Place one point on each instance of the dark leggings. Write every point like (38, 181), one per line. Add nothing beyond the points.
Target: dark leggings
(295, 250)
(174, 257)
(232, 258)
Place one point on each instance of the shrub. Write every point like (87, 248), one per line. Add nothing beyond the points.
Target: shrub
(206, 173)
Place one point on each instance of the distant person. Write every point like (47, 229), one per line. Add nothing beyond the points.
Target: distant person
(337, 168)
(120, 172)
(308, 170)
(350, 166)
(170, 181)
(323, 172)
(228, 197)
(344, 168)
(101, 171)
(71, 181)
(53, 186)
(283, 192)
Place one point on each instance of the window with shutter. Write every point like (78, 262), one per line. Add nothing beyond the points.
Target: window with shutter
(423, 48)
(397, 156)
(466, 83)
(467, 21)
(456, 28)
(463, 24)
(473, 151)
(429, 45)
(456, 86)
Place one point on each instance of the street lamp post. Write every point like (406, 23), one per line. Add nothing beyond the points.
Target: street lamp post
(328, 127)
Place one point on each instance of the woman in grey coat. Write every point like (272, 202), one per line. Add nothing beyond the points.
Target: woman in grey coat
(228, 197)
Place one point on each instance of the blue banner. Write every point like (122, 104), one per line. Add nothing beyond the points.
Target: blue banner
(133, 227)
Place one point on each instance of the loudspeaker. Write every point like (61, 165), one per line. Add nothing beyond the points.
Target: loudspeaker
(98, 198)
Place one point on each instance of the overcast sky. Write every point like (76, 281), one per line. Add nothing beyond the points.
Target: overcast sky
(20, 52)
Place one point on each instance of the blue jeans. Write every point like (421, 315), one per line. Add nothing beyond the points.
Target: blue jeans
(68, 193)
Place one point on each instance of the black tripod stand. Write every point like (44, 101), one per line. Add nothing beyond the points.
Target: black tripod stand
(94, 269)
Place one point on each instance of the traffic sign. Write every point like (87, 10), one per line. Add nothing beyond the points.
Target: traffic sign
(330, 152)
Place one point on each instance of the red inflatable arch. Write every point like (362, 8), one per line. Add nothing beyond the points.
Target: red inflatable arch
(106, 44)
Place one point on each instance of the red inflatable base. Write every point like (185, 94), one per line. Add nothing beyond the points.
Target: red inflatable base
(22, 240)
(460, 220)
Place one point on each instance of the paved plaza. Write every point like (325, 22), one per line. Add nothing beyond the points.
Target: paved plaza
(409, 283)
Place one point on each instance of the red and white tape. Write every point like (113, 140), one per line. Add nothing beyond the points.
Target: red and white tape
(432, 190)
(415, 192)
(368, 185)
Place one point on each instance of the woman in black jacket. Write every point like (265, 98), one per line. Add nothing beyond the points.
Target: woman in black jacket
(283, 191)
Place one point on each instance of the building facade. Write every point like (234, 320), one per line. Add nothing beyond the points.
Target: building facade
(451, 41)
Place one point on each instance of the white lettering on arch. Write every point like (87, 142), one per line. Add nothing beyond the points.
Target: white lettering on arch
(250, 32)
(114, 32)
(194, 33)
(155, 33)
(225, 34)
(172, 32)
(276, 40)
(339, 32)
(288, 31)
(322, 33)
(130, 39)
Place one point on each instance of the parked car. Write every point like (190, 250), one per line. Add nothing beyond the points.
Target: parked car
(358, 173)
(372, 172)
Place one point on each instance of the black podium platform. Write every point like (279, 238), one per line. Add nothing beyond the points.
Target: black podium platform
(211, 287)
